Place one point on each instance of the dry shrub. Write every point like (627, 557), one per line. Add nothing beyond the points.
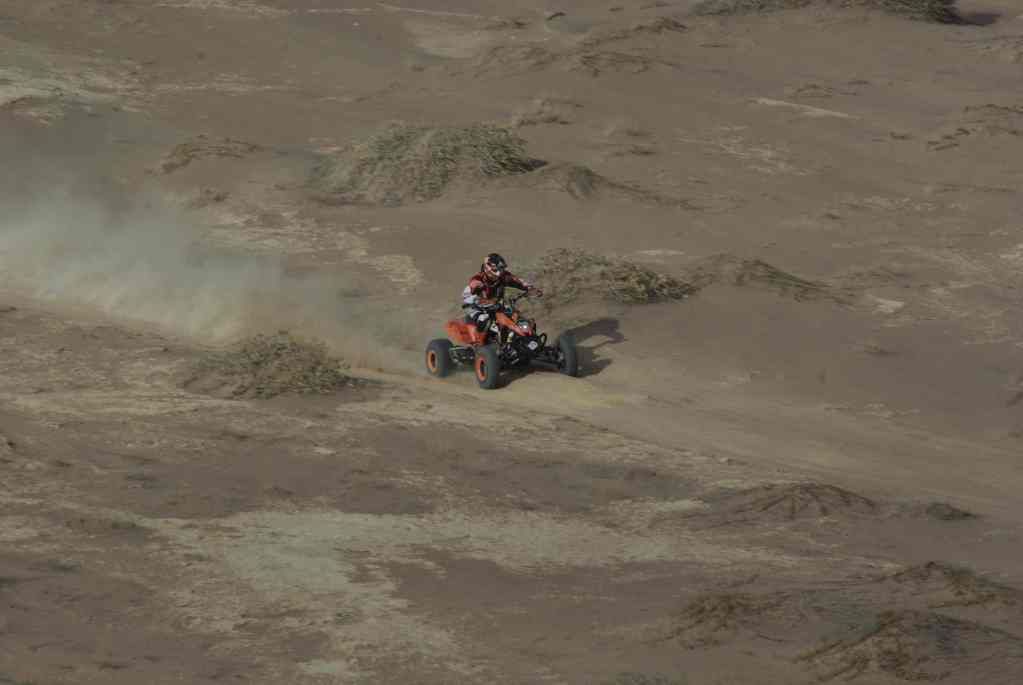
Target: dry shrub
(739, 7)
(516, 58)
(589, 58)
(946, 585)
(584, 184)
(917, 646)
(207, 197)
(266, 366)
(579, 181)
(713, 619)
(791, 501)
(598, 62)
(407, 162)
(643, 29)
(638, 150)
(758, 273)
(1005, 118)
(636, 678)
(415, 163)
(545, 111)
(569, 275)
(775, 503)
(985, 121)
(202, 147)
(943, 511)
(938, 11)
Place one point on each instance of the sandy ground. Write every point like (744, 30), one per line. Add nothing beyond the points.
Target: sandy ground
(751, 485)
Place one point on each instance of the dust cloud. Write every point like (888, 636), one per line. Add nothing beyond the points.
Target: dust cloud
(73, 238)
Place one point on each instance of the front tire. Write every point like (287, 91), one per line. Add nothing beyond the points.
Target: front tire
(438, 358)
(568, 357)
(487, 366)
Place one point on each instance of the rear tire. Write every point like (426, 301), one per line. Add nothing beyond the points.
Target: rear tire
(568, 358)
(487, 366)
(438, 358)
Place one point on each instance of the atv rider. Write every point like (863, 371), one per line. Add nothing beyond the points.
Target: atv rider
(486, 288)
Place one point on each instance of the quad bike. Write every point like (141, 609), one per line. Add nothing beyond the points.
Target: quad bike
(511, 341)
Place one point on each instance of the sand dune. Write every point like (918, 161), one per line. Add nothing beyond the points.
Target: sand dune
(230, 228)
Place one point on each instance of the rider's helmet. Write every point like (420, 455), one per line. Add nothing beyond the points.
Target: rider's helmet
(494, 266)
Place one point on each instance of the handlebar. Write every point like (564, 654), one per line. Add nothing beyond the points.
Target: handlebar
(524, 294)
(506, 302)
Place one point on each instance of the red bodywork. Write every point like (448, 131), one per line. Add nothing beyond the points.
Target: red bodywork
(462, 333)
(466, 334)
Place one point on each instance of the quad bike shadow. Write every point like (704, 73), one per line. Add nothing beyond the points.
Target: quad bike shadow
(510, 346)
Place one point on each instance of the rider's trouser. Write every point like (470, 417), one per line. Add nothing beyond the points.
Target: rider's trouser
(478, 316)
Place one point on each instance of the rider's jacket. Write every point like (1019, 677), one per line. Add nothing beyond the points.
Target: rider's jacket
(481, 286)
